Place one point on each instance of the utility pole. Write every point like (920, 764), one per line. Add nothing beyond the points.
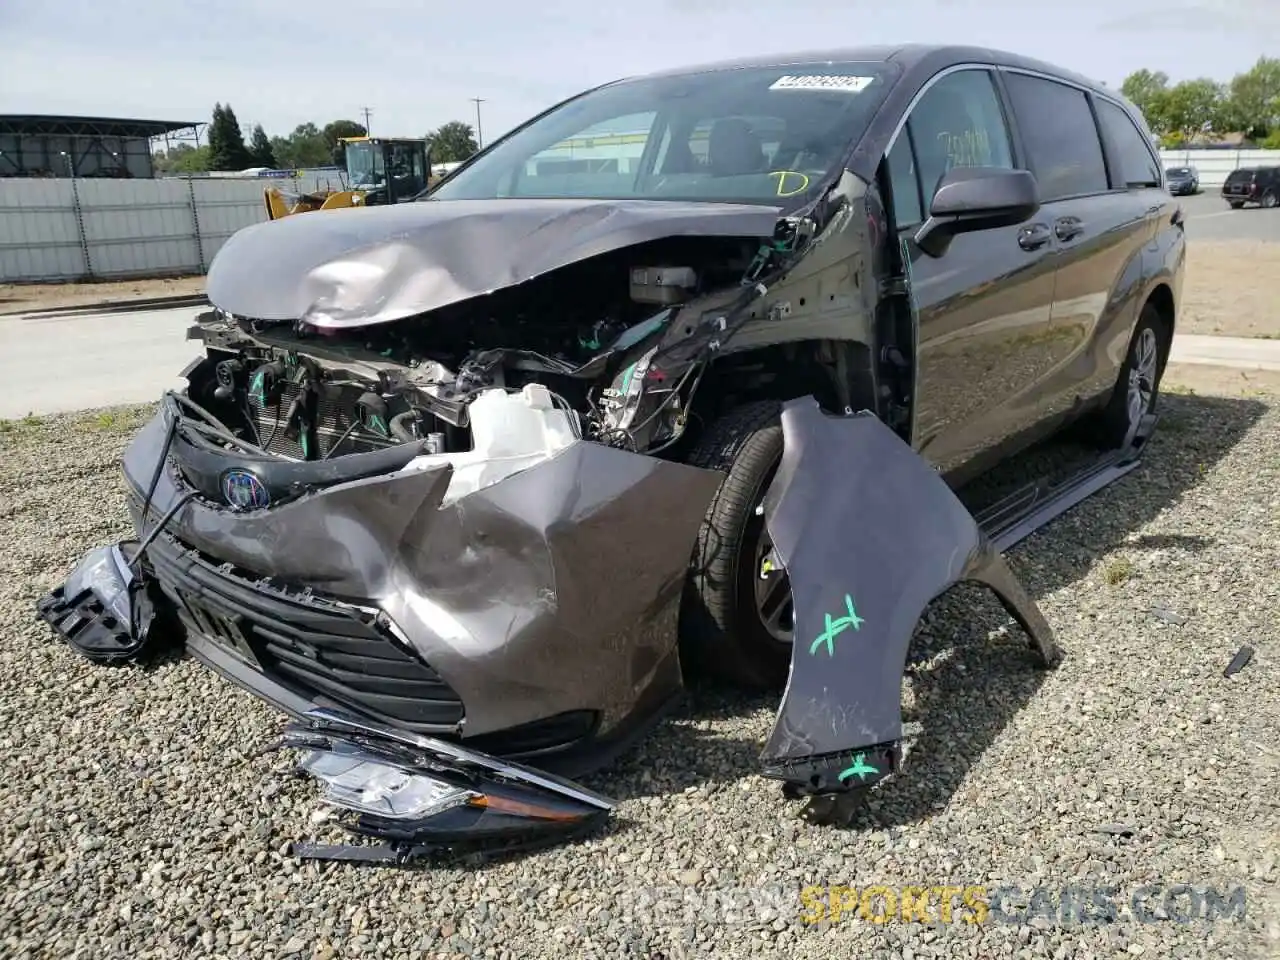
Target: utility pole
(366, 111)
(479, 133)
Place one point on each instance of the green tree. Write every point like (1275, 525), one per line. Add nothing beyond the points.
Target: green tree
(1192, 107)
(453, 141)
(333, 134)
(305, 147)
(226, 143)
(1255, 98)
(260, 152)
(1149, 92)
(182, 158)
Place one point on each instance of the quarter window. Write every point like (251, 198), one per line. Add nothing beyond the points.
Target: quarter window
(904, 183)
(1060, 136)
(1138, 166)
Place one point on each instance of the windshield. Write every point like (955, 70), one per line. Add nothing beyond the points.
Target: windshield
(749, 135)
(364, 165)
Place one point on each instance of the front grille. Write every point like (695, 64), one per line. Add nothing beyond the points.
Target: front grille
(315, 644)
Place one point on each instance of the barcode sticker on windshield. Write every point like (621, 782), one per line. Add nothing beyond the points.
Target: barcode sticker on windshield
(842, 84)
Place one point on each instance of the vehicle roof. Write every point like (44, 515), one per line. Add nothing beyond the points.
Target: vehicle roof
(909, 56)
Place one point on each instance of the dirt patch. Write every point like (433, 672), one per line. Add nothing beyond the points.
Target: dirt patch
(21, 297)
(1230, 289)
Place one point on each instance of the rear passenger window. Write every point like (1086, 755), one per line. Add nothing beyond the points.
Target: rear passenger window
(957, 123)
(1060, 137)
(1138, 166)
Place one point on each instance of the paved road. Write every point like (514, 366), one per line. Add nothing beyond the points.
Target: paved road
(1209, 218)
(57, 364)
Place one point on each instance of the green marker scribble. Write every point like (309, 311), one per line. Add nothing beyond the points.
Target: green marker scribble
(376, 424)
(860, 767)
(626, 378)
(835, 627)
(258, 389)
(306, 445)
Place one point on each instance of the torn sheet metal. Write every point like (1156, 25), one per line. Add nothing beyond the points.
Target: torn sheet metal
(552, 591)
(352, 268)
(424, 797)
(869, 534)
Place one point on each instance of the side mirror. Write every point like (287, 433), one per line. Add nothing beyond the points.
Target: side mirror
(976, 198)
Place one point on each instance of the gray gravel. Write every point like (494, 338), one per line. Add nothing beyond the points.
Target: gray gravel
(137, 824)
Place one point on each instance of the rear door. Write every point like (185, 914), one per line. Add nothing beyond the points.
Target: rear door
(984, 308)
(1100, 190)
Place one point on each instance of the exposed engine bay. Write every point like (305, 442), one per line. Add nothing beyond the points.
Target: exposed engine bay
(588, 333)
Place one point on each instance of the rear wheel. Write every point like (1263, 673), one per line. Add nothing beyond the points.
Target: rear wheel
(737, 616)
(1235, 204)
(1269, 199)
(1138, 386)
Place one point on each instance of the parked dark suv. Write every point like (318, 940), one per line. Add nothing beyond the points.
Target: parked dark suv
(1260, 185)
(683, 372)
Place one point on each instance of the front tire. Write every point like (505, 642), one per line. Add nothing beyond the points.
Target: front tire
(736, 617)
(1138, 385)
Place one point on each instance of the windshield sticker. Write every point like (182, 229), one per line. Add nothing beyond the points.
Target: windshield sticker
(838, 83)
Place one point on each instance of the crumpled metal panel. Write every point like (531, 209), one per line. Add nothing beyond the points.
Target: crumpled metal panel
(555, 589)
(869, 534)
(352, 268)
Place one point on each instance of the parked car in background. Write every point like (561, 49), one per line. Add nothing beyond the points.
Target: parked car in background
(1182, 181)
(1260, 185)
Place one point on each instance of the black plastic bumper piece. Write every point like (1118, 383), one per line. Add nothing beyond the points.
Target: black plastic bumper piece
(102, 610)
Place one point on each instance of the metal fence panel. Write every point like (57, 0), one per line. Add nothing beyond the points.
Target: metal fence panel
(39, 235)
(138, 227)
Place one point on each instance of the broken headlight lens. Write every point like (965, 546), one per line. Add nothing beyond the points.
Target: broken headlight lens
(382, 789)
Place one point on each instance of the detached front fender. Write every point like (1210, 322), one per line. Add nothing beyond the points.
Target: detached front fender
(869, 534)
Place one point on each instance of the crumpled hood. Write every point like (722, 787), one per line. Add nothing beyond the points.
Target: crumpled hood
(356, 267)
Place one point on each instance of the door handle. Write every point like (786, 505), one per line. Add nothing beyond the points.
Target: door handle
(1034, 237)
(1067, 228)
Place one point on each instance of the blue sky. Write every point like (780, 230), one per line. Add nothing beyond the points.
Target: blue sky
(417, 64)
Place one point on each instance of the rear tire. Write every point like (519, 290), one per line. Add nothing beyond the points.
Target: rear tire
(723, 632)
(1138, 386)
(1235, 204)
(1269, 200)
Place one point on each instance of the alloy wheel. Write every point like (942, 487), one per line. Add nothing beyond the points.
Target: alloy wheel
(773, 599)
(1142, 375)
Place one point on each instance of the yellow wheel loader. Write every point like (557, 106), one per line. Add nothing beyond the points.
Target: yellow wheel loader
(379, 170)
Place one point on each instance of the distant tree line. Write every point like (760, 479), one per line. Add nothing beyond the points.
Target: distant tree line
(307, 146)
(1200, 109)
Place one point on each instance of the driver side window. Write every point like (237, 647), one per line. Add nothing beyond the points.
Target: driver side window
(957, 123)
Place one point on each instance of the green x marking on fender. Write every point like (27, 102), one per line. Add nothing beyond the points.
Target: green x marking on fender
(835, 627)
(860, 768)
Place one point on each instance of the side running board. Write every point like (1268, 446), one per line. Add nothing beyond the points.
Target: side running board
(1026, 510)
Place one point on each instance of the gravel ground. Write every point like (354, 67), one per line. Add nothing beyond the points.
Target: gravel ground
(139, 825)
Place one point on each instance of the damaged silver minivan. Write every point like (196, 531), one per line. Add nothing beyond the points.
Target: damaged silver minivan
(678, 375)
